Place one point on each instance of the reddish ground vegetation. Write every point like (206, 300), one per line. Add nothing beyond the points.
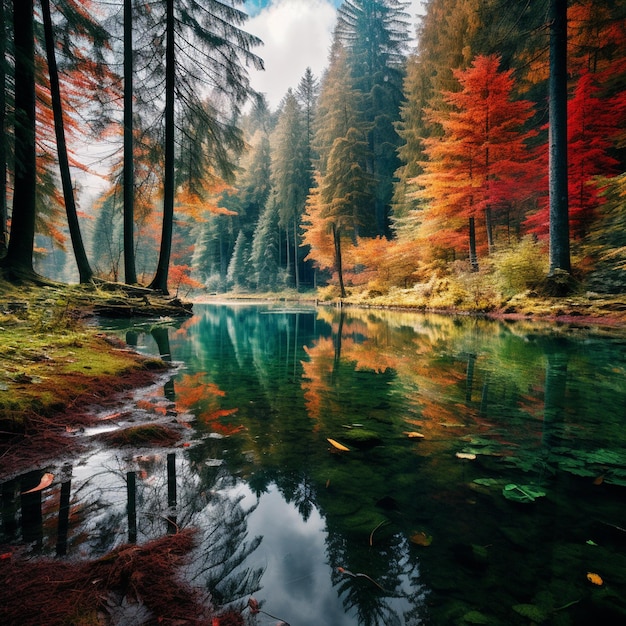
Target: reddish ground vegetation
(143, 577)
(41, 435)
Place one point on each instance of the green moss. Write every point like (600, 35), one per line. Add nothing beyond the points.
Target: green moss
(49, 356)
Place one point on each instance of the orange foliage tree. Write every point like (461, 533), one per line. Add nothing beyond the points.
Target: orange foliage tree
(480, 166)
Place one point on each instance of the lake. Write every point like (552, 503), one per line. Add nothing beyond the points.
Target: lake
(365, 467)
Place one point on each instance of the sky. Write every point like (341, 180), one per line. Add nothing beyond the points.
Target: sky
(296, 34)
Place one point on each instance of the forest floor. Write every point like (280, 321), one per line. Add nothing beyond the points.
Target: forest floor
(57, 370)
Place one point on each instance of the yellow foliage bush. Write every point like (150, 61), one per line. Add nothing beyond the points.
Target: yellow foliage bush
(520, 267)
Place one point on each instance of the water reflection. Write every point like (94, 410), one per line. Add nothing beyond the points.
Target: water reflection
(484, 476)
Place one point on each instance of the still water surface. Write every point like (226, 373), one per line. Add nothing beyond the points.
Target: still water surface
(484, 478)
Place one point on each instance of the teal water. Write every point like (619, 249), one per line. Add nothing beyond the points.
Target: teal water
(484, 478)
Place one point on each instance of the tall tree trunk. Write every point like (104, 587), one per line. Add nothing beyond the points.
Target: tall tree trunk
(287, 252)
(489, 227)
(130, 271)
(338, 260)
(3, 136)
(559, 218)
(19, 258)
(296, 272)
(472, 245)
(159, 281)
(84, 270)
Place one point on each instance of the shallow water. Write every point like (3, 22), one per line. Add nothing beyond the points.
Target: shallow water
(484, 479)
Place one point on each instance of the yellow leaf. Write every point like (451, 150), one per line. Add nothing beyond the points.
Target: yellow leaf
(414, 435)
(46, 481)
(337, 445)
(594, 578)
(420, 538)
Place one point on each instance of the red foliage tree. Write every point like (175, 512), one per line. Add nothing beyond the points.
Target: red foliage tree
(480, 165)
(594, 124)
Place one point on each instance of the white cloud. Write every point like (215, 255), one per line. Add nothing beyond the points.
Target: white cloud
(297, 34)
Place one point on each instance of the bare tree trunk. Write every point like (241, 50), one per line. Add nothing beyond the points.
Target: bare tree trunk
(3, 136)
(295, 254)
(84, 270)
(130, 271)
(19, 258)
(559, 217)
(472, 245)
(159, 281)
(338, 260)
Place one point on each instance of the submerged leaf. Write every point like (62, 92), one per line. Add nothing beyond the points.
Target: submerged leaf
(476, 617)
(522, 493)
(420, 538)
(46, 481)
(337, 445)
(532, 612)
(414, 435)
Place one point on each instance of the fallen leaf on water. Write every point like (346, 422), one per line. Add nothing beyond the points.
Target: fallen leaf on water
(470, 456)
(421, 538)
(46, 481)
(337, 445)
(594, 578)
(414, 435)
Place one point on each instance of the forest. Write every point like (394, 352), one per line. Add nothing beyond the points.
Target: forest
(441, 168)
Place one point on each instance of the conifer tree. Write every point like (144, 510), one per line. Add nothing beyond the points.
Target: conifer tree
(238, 273)
(375, 33)
(264, 256)
(290, 177)
(193, 28)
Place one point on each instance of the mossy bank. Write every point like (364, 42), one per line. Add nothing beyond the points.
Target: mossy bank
(54, 369)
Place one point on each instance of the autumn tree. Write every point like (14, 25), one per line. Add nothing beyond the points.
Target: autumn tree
(344, 189)
(344, 205)
(480, 165)
(593, 127)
